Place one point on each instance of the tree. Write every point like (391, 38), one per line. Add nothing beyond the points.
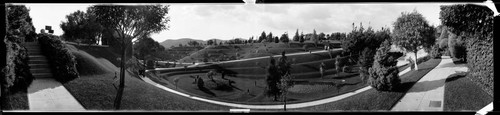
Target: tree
(321, 36)
(262, 36)
(270, 37)
(296, 36)
(81, 25)
(250, 40)
(315, 38)
(384, 73)
(272, 79)
(147, 48)
(276, 39)
(284, 38)
(284, 68)
(412, 31)
(129, 23)
(193, 43)
(301, 39)
(210, 42)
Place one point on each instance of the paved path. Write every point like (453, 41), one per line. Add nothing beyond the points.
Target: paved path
(428, 93)
(47, 94)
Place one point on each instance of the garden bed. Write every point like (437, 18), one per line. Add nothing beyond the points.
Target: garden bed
(378, 100)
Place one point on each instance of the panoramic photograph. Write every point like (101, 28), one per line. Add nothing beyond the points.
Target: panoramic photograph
(228, 57)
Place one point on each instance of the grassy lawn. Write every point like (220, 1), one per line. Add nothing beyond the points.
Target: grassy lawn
(378, 100)
(15, 101)
(461, 94)
(95, 90)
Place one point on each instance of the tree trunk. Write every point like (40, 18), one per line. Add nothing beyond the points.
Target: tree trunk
(284, 106)
(119, 94)
(416, 67)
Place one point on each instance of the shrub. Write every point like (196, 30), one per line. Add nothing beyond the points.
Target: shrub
(62, 62)
(435, 52)
(423, 59)
(16, 74)
(365, 61)
(476, 23)
(384, 73)
(338, 64)
(345, 69)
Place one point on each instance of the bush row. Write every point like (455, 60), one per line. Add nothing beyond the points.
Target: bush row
(62, 62)
(480, 62)
(16, 74)
(476, 23)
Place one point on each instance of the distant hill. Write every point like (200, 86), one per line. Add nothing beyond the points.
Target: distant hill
(184, 41)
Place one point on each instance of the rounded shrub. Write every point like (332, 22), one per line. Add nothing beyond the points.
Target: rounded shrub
(435, 52)
(383, 75)
(62, 62)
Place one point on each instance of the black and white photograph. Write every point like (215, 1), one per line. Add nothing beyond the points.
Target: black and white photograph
(248, 57)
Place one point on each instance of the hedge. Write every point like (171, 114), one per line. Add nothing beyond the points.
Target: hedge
(16, 74)
(476, 24)
(62, 62)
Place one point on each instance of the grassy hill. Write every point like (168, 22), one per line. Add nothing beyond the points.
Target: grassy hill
(95, 88)
(214, 53)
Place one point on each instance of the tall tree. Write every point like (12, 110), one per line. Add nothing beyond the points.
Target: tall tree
(284, 38)
(147, 48)
(262, 36)
(315, 38)
(296, 36)
(301, 39)
(129, 23)
(270, 37)
(412, 31)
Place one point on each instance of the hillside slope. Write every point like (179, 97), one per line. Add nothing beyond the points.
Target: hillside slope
(95, 91)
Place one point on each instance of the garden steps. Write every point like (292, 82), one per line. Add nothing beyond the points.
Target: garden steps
(45, 93)
(39, 63)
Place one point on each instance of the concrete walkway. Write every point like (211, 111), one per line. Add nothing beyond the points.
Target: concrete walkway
(47, 94)
(428, 93)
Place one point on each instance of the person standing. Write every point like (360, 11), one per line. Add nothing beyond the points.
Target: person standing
(321, 69)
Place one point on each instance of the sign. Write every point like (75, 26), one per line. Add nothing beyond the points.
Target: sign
(48, 28)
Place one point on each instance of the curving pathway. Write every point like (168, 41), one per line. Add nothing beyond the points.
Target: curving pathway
(428, 93)
(278, 106)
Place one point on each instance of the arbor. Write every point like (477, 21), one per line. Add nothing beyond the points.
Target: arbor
(412, 32)
(129, 23)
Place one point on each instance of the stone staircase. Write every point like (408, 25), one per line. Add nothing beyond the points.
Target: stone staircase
(39, 64)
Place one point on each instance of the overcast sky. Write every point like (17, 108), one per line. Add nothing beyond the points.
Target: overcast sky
(227, 21)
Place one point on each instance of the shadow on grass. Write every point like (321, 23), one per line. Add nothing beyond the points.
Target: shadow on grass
(207, 91)
(456, 76)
